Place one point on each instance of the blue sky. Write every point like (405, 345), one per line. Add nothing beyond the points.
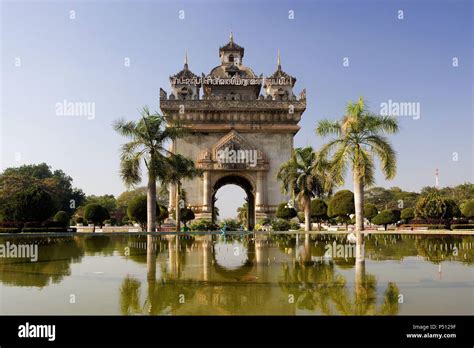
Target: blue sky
(82, 60)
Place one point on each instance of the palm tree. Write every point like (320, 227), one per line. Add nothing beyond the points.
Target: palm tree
(358, 137)
(147, 141)
(179, 168)
(243, 213)
(304, 177)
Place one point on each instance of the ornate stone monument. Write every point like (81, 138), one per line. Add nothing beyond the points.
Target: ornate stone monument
(236, 135)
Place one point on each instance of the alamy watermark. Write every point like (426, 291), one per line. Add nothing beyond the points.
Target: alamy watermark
(21, 251)
(345, 251)
(231, 156)
(396, 109)
(69, 108)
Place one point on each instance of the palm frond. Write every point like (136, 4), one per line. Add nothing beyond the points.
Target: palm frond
(327, 127)
(385, 152)
(130, 170)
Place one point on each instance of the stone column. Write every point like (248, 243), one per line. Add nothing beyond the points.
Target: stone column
(171, 187)
(259, 199)
(206, 192)
(260, 196)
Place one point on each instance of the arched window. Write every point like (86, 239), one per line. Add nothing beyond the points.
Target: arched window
(231, 58)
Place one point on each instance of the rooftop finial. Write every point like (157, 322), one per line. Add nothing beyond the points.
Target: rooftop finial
(186, 59)
(231, 37)
(278, 60)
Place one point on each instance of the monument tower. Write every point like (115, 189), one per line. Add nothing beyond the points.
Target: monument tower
(241, 129)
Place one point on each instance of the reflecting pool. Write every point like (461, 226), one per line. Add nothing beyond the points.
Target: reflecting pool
(262, 274)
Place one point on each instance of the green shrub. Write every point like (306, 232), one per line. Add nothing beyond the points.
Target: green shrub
(281, 225)
(231, 224)
(186, 215)
(62, 217)
(284, 212)
(203, 225)
(162, 214)
(9, 230)
(294, 225)
(108, 222)
(79, 220)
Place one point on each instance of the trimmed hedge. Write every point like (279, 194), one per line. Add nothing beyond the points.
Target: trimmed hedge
(9, 230)
(462, 227)
(11, 224)
(430, 227)
(50, 223)
(32, 224)
(43, 229)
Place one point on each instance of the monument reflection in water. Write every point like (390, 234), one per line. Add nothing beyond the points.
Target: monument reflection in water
(279, 274)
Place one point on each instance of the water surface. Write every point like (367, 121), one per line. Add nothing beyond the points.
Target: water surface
(281, 274)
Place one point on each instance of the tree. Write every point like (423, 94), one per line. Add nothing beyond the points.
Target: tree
(107, 201)
(407, 214)
(56, 183)
(459, 194)
(179, 168)
(319, 210)
(96, 214)
(125, 197)
(370, 211)
(452, 209)
(341, 205)
(434, 206)
(186, 216)
(147, 141)
(285, 212)
(137, 211)
(304, 177)
(31, 204)
(385, 218)
(468, 209)
(359, 136)
(62, 217)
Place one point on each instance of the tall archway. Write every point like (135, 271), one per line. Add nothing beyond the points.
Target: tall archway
(246, 185)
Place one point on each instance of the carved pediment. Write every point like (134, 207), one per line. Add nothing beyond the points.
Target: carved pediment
(233, 151)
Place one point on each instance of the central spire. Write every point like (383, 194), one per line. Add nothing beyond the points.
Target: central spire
(231, 37)
(279, 61)
(186, 60)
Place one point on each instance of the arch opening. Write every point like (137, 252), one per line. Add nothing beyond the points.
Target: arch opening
(249, 192)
